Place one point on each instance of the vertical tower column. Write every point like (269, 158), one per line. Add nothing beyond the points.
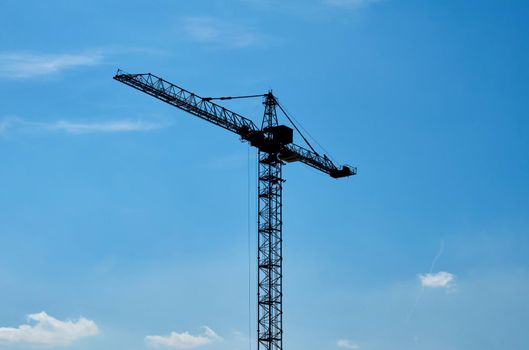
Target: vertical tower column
(269, 256)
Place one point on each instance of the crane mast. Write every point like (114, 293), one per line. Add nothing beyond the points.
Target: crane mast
(275, 148)
(270, 240)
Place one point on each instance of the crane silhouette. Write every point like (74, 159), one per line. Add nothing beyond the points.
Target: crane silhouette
(275, 146)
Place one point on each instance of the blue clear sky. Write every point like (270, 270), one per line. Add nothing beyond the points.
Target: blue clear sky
(133, 216)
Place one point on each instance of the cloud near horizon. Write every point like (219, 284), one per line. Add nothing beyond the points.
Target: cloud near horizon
(183, 340)
(440, 279)
(48, 331)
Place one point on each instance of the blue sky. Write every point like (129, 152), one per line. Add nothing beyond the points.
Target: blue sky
(124, 221)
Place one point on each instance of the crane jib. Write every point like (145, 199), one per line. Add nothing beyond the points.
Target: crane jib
(185, 100)
(277, 140)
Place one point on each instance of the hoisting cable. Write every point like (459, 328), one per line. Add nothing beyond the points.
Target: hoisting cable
(299, 132)
(249, 256)
(301, 126)
(230, 97)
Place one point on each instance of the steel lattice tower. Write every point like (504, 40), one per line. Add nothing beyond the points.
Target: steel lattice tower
(269, 256)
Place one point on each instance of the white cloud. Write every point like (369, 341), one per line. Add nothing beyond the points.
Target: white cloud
(25, 65)
(103, 127)
(436, 280)
(213, 31)
(78, 127)
(346, 344)
(350, 3)
(183, 340)
(48, 331)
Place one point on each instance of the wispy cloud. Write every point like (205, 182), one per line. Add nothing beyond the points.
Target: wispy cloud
(26, 65)
(80, 127)
(104, 127)
(18, 65)
(350, 3)
(214, 31)
(183, 340)
(428, 280)
(48, 331)
(440, 279)
(346, 344)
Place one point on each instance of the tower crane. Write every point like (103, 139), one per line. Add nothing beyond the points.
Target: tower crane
(275, 146)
